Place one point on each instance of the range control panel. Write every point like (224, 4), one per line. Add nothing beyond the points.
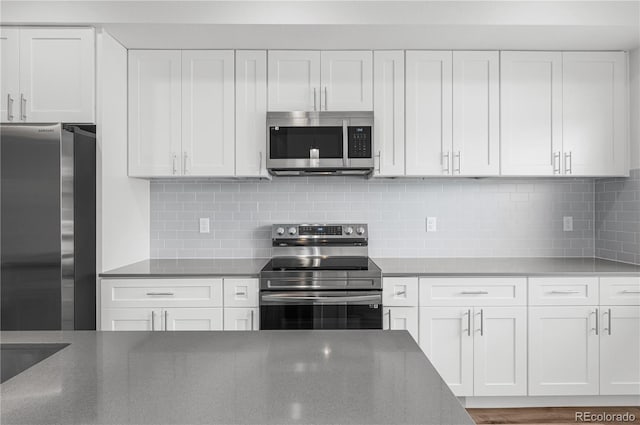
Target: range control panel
(295, 231)
(359, 142)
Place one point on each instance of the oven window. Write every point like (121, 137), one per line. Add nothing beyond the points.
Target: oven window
(321, 316)
(296, 142)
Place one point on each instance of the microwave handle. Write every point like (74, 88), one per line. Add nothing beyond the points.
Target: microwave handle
(345, 142)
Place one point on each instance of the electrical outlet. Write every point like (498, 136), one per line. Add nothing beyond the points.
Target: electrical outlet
(567, 223)
(204, 225)
(432, 224)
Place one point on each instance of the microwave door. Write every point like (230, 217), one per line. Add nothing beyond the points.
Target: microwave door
(312, 147)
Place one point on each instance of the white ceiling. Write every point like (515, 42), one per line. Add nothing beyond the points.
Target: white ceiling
(346, 24)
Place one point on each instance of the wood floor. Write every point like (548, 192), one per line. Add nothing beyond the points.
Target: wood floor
(548, 415)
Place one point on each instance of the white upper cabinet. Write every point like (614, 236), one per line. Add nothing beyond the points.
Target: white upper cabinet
(476, 113)
(155, 147)
(388, 112)
(428, 113)
(531, 107)
(594, 113)
(208, 113)
(347, 80)
(251, 113)
(315, 81)
(48, 75)
(294, 80)
(10, 75)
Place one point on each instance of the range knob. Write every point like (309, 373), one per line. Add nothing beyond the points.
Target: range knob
(280, 231)
(293, 231)
(348, 230)
(360, 230)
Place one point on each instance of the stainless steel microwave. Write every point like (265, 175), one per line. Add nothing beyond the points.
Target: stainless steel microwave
(320, 143)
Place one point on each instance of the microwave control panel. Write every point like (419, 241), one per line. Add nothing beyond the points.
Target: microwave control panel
(359, 142)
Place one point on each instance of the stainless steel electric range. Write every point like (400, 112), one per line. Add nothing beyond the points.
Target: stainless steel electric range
(320, 277)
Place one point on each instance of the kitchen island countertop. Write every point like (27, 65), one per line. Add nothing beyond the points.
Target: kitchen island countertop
(266, 377)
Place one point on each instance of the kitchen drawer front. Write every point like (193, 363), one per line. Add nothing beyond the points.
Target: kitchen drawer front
(620, 290)
(400, 291)
(241, 292)
(475, 291)
(161, 293)
(563, 291)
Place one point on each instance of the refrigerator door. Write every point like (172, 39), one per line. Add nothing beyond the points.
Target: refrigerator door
(30, 227)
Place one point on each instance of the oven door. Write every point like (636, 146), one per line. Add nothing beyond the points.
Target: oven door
(321, 310)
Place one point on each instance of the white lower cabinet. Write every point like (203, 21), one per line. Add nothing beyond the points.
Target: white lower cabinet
(620, 350)
(131, 319)
(162, 319)
(563, 350)
(192, 319)
(241, 319)
(401, 318)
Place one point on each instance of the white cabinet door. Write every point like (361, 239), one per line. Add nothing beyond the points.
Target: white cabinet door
(531, 113)
(192, 319)
(294, 80)
(500, 351)
(10, 75)
(594, 105)
(620, 350)
(402, 318)
(347, 80)
(208, 118)
(388, 112)
(251, 113)
(57, 73)
(563, 351)
(131, 319)
(446, 337)
(400, 291)
(241, 292)
(154, 113)
(241, 319)
(476, 113)
(428, 113)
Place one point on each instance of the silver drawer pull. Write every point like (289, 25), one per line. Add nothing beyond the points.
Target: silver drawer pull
(401, 293)
(160, 293)
(564, 292)
(242, 294)
(626, 291)
(474, 293)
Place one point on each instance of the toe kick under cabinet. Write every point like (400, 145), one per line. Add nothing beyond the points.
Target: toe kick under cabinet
(179, 304)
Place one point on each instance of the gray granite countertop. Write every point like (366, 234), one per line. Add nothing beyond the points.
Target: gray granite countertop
(190, 268)
(266, 377)
(503, 267)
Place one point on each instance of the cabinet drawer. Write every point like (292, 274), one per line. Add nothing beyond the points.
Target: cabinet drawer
(241, 292)
(563, 291)
(161, 293)
(620, 290)
(480, 291)
(400, 291)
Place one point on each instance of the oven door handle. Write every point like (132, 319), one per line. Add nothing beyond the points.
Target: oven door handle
(314, 299)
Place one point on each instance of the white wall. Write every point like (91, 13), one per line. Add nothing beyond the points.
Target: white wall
(123, 203)
(634, 81)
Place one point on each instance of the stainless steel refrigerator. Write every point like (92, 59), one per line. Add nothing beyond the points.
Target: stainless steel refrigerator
(48, 227)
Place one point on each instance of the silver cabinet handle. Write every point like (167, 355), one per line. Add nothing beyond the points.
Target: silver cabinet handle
(481, 322)
(568, 169)
(458, 155)
(242, 294)
(389, 319)
(564, 292)
(251, 319)
(166, 320)
(446, 161)
(597, 313)
(260, 162)
(626, 291)
(468, 314)
(174, 159)
(379, 156)
(401, 293)
(326, 99)
(556, 160)
(9, 107)
(474, 293)
(608, 328)
(160, 293)
(184, 163)
(23, 107)
(153, 320)
(314, 100)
